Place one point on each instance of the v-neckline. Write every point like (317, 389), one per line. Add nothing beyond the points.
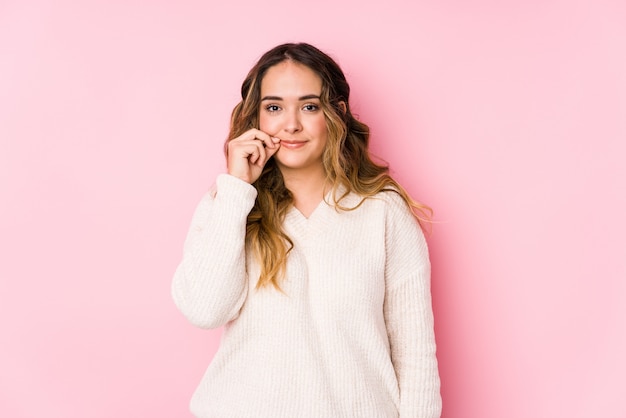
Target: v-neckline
(317, 208)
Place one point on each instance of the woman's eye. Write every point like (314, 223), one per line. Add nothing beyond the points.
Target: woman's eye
(311, 107)
(272, 108)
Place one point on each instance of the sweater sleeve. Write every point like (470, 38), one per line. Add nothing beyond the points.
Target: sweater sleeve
(210, 283)
(408, 313)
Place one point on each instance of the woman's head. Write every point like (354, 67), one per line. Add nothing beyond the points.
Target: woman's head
(333, 100)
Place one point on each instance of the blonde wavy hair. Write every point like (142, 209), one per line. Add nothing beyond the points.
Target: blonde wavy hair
(347, 162)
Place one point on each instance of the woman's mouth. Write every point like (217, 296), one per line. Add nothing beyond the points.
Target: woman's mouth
(292, 144)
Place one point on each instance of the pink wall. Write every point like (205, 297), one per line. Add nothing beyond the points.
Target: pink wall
(510, 120)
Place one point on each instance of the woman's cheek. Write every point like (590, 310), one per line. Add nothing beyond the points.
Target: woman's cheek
(266, 125)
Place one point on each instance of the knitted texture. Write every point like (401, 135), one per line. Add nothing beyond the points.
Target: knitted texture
(352, 334)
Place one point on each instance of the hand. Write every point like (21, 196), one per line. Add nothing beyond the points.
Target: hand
(248, 153)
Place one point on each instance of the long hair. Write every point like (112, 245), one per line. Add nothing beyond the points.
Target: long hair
(347, 162)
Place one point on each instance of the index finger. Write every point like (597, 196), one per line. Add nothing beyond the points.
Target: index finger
(263, 137)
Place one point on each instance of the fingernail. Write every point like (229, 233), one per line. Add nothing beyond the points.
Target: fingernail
(277, 140)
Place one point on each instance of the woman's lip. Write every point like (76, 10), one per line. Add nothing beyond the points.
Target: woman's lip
(292, 144)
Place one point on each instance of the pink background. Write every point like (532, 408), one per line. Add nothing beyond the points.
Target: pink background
(508, 119)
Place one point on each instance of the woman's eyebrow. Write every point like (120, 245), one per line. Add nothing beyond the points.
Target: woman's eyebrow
(309, 97)
(277, 98)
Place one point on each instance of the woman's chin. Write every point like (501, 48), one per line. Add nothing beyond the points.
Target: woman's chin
(295, 162)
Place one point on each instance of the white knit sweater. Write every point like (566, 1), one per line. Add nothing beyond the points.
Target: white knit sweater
(351, 337)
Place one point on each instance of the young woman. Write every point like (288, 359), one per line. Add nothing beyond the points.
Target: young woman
(313, 259)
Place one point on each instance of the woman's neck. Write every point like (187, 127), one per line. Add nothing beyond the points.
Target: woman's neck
(308, 188)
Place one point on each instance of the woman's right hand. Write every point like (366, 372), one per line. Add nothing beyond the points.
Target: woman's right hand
(248, 153)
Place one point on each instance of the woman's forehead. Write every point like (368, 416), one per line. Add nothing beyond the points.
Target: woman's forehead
(290, 80)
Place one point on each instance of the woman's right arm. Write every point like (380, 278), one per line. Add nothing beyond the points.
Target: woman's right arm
(210, 284)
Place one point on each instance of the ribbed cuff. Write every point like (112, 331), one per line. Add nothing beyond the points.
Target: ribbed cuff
(235, 193)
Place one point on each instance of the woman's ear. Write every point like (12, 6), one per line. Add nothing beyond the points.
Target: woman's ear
(343, 106)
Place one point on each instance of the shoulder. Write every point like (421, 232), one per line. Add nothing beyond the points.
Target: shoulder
(350, 199)
(394, 205)
(387, 204)
(392, 197)
(401, 224)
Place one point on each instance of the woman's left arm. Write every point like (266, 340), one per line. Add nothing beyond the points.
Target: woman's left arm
(408, 313)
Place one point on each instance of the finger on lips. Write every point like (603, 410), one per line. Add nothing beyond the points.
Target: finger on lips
(256, 152)
(268, 141)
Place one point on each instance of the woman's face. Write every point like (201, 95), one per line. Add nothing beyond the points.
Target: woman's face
(291, 111)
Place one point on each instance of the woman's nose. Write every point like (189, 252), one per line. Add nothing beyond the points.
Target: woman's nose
(292, 122)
